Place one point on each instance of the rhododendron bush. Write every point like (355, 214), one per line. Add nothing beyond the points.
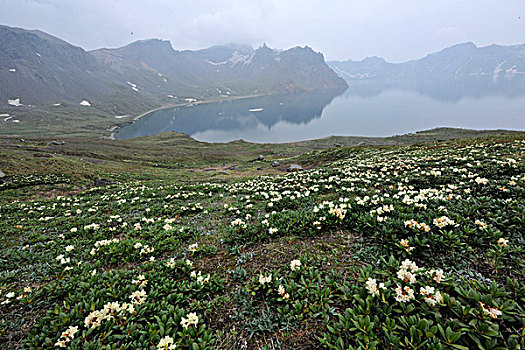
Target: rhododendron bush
(385, 248)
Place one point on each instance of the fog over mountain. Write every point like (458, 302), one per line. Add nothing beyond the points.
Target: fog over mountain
(457, 71)
(396, 30)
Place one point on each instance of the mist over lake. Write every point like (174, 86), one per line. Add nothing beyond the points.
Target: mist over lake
(367, 109)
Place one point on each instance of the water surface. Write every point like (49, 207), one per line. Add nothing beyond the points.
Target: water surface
(365, 110)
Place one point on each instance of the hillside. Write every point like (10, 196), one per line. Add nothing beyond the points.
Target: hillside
(220, 70)
(412, 245)
(39, 69)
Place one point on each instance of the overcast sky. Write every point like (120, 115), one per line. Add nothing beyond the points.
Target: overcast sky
(397, 30)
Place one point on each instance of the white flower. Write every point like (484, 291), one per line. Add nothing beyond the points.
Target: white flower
(201, 279)
(295, 264)
(481, 181)
(265, 279)
(93, 320)
(70, 248)
(60, 344)
(406, 276)
(481, 225)
(238, 222)
(66, 337)
(371, 285)
(437, 275)
(404, 294)
(409, 265)
(111, 310)
(281, 290)
(138, 297)
(438, 297)
(490, 311)
(171, 262)
(444, 221)
(141, 281)
(166, 343)
(193, 247)
(191, 319)
(406, 245)
(71, 331)
(428, 290)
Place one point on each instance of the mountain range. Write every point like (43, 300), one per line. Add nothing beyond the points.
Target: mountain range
(37, 68)
(465, 67)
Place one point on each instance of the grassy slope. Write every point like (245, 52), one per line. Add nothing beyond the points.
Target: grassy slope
(176, 156)
(97, 120)
(173, 164)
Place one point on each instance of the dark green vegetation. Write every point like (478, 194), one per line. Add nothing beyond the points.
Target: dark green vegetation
(414, 244)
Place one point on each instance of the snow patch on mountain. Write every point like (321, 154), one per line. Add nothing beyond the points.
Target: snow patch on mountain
(511, 72)
(133, 86)
(497, 70)
(236, 58)
(15, 102)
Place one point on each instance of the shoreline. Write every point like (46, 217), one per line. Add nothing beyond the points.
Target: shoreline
(115, 128)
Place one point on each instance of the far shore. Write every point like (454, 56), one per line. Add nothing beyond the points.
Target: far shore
(115, 128)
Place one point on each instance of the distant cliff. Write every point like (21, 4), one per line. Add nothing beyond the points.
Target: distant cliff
(230, 69)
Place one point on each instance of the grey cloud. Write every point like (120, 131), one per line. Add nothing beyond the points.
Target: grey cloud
(397, 30)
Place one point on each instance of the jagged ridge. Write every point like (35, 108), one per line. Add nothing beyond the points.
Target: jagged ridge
(41, 69)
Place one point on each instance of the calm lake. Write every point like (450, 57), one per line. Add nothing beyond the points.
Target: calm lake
(358, 111)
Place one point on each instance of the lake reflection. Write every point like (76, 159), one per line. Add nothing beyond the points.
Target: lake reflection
(365, 110)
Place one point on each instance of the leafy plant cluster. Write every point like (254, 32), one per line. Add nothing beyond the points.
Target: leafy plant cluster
(406, 247)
